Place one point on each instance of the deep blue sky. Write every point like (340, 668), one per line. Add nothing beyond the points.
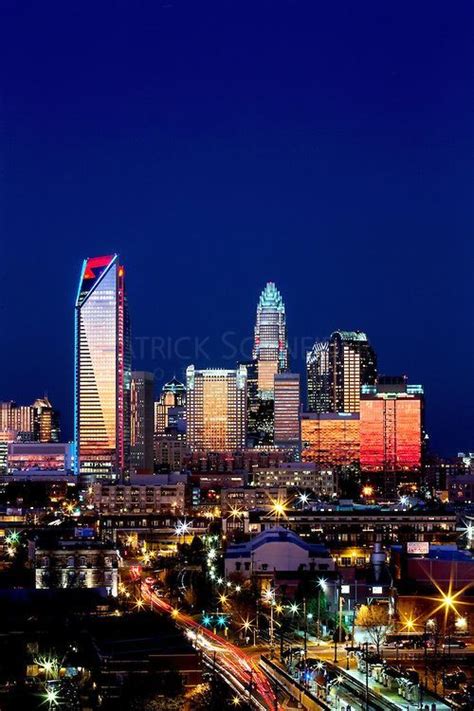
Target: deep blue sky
(327, 146)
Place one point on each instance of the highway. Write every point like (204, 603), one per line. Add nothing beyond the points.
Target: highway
(239, 669)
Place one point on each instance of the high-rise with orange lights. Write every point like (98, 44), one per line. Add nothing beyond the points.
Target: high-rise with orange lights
(216, 409)
(391, 425)
(102, 371)
(287, 410)
(352, 364)
(270, 349)
(330, 439)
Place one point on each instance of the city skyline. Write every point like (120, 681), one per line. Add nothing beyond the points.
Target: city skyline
(334, 163)
(239, 350)
(237, 363)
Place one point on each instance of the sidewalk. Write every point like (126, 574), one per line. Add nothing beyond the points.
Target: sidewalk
(394, 698)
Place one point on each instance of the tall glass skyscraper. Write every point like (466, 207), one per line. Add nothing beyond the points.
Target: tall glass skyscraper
(141, 420)
(391, 425)
(287, 410)
(270, 348)
(102, 371)
(216, 409)
(352, 363)
(317, 375)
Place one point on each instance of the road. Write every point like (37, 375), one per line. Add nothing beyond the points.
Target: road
(237, 667)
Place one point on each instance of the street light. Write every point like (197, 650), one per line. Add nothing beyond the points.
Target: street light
(322, 588)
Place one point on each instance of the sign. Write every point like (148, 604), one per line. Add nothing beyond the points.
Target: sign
(418, 548)
(345, 589)
(377, 590)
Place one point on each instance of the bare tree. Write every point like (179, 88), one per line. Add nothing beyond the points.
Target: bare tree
(374, 619)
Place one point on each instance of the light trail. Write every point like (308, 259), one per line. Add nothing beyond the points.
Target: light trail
(233, 661)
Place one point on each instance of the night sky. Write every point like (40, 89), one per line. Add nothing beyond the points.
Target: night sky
(327, 146)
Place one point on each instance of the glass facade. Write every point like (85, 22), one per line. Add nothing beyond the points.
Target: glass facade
(330, 439)
(390, 432)
(352, 364)
(103, 372)
(216, 409)
(270, 348)
(141, 422)
(317, 374)
(287, 410)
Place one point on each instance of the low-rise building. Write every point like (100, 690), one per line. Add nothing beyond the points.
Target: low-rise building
(342, 526)
(301, 475)
(75, 563)
(277, 549)
(40, 458)
(251, 498)
(138, 498)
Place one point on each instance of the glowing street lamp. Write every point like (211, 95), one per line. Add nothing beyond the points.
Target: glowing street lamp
(51, 698)
(183, 527)
(303, 499)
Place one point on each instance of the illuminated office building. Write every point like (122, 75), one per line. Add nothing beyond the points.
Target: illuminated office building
(216, 409)
(141, 422)
(352, 363)
(170, 409)
(391, 425)
(330, 439)
(102, 371)
(317, 378)
(287, 410)
(32, 423)
(18, 419)
(45, 421)
(270, 348)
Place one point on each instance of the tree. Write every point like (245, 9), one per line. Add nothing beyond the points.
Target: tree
(374, 620)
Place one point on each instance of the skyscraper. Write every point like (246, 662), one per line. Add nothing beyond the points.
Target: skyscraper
(216, 409)
(330, 439)
(102, 371)
(38, 422)
(391, 425)
(352, 363)
(171, 407)
(141, 424)
(45, 421)
(287, 410)
(270, 348)
(317, 378)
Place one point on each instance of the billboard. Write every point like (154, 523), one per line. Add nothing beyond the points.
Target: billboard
(418, 548)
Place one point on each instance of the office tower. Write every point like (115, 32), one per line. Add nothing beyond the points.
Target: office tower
(391, 425)
(170, 409)
(216, 409)
(352, 363)
(270, 348)
(45, 421)
(38, 422)
(102, 371)
(253, 402)
(18, 419)
(287, 410)
(141, 422)
(330, 439)
(317, 378)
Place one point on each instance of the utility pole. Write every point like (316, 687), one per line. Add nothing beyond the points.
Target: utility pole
(366, 645)
(337, 631)
(305, 631)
